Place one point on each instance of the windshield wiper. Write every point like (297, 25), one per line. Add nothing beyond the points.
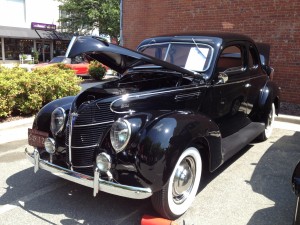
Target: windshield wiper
(198, 49)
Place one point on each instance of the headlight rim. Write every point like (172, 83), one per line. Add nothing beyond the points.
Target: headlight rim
(63, 124)
(117, 150)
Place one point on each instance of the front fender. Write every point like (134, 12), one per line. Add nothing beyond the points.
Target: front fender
(163, 140)
(43, 118)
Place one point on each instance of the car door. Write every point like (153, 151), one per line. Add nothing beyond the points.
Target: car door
(228, 97)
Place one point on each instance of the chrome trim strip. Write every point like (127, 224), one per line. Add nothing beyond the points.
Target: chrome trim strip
(82, 166)
(183, 96)
(231, 83)
(152, 93)
(94, 124)
(90, 146)
(93, 182)
(70, 150)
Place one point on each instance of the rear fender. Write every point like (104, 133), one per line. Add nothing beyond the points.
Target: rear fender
(269, 94)
(164, 139)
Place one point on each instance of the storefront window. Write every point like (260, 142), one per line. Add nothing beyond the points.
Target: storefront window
(60, 47)
(14, 47)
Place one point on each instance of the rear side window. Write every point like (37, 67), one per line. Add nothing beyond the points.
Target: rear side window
(230, 59)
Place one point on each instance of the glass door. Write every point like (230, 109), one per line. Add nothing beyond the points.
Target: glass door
(44, 49)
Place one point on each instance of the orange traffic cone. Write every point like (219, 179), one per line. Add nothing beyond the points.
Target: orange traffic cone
(151, 220)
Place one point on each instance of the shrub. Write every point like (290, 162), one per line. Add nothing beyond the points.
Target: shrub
(57, 81)
(96, 70)
(8, 89)
(25, 92)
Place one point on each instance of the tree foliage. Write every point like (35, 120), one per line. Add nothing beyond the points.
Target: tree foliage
(86, 16)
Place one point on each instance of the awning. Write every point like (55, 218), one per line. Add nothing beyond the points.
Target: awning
(17, 32)
(24, 33)
(46, 34)
(64, 36)
(54, 35)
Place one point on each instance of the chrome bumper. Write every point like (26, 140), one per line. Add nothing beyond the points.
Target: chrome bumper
(93, 182)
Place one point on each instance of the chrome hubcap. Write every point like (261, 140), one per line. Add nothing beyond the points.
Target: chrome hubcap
(184, 179)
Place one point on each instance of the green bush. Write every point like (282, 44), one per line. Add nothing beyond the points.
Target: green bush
(8, 89)
(25, 92)
(96, 70)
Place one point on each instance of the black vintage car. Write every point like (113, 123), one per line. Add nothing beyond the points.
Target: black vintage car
(182, 104)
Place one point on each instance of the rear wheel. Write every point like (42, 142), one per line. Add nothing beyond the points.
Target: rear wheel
(269, 124)
(179, 192)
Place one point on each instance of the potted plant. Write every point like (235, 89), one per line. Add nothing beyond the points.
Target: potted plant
(96, 70)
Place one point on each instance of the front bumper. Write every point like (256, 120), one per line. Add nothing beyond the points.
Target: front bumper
(93, 182)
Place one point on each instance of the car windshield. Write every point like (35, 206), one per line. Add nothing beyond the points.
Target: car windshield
(191, 56)
(57, 60)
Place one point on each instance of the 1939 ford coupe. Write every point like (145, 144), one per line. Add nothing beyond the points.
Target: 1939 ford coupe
(182, 104)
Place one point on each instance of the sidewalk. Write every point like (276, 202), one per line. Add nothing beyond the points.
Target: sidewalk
(15, 130)
(288, 119)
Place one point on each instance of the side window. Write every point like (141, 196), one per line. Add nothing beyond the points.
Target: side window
(252, 58)
(230, 59)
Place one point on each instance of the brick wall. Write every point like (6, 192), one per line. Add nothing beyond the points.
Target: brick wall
(272, 21)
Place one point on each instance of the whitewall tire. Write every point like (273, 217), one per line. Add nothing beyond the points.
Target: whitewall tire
(179, 192)
(269, 125)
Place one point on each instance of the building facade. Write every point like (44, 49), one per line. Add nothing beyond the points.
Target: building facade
(270, 21)
(28, 26)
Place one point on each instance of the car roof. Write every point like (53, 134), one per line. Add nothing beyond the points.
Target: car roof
(216, 37)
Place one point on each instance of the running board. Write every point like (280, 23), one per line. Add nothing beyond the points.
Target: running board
(235, 142)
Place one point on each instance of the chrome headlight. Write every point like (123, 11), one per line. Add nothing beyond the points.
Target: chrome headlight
(58, 118)
(103, 162)
(120, 134)
(50, 145)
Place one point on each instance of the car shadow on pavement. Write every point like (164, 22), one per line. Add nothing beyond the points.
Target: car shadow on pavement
(47, 194)
(272, 178)
(208, 177)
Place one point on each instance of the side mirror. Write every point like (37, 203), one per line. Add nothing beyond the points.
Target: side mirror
(222, 78)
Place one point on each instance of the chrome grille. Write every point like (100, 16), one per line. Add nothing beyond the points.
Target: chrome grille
(87, 130)
(97, 113)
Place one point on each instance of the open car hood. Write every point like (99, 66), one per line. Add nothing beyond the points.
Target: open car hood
(115, 57)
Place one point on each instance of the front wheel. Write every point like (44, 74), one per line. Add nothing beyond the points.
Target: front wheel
(269, 124)
(179, 192)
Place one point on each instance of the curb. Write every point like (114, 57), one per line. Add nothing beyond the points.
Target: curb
(288, 119)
